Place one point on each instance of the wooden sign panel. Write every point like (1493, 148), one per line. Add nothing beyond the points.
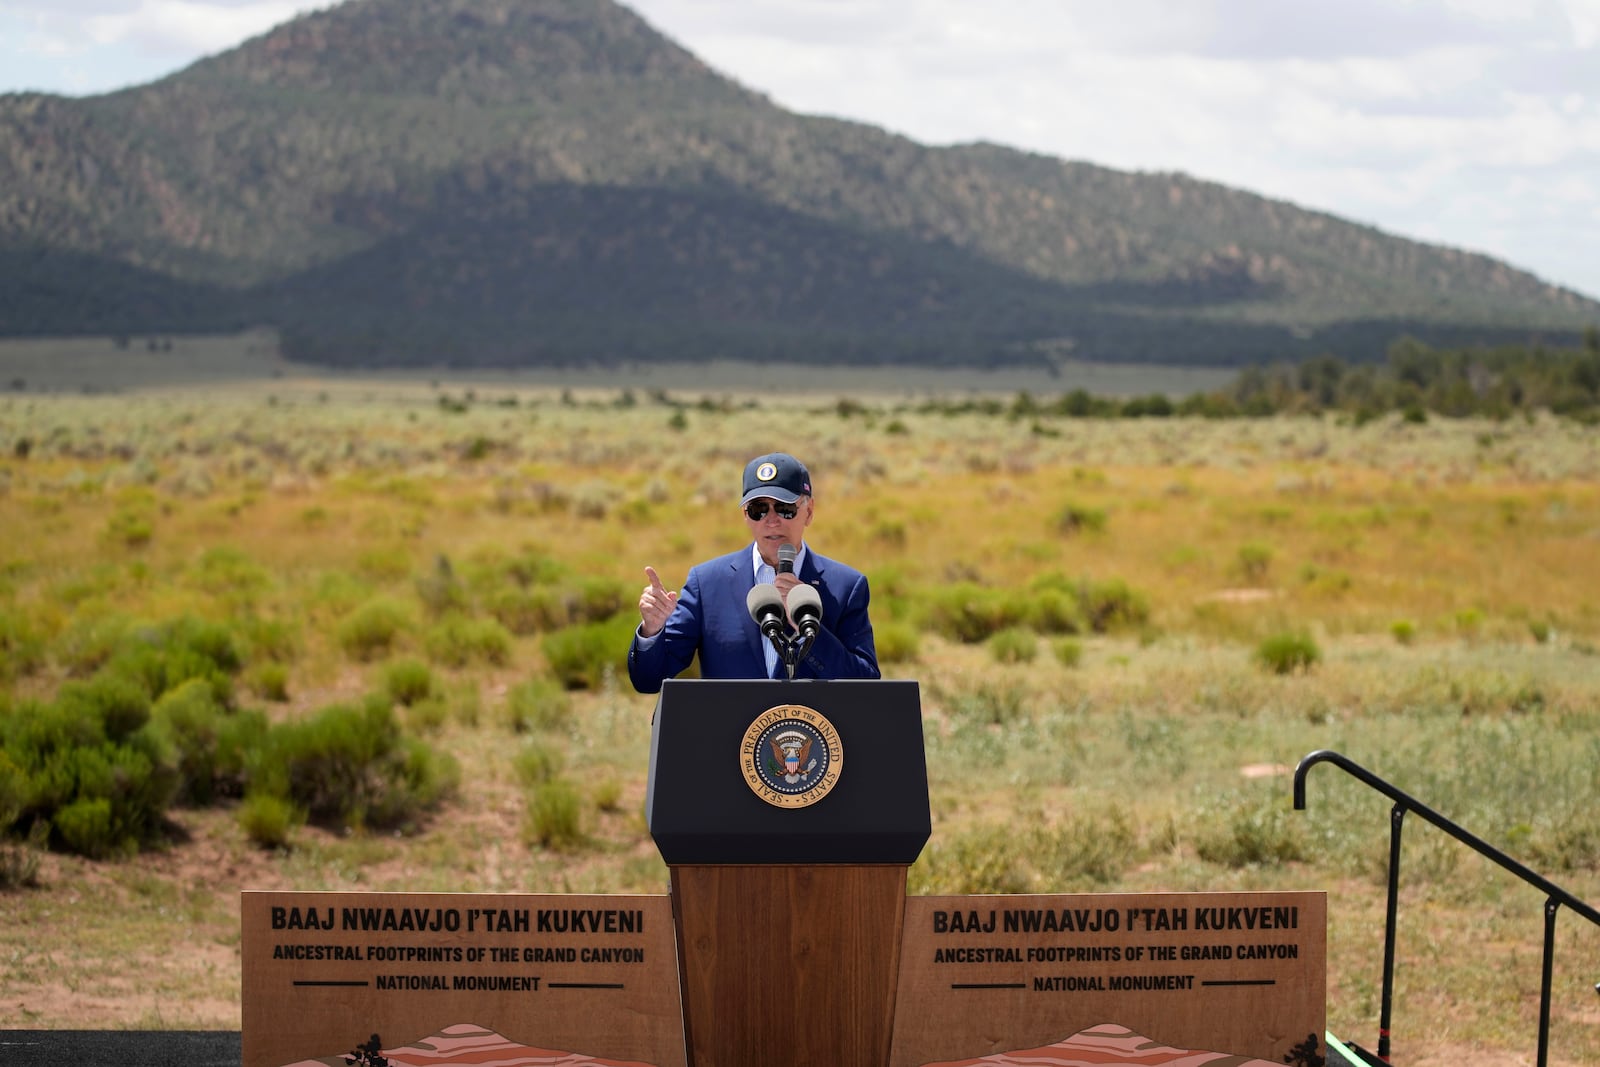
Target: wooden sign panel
(1113, 978)
(443, 979)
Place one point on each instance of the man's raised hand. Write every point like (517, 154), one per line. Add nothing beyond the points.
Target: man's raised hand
(655, 604)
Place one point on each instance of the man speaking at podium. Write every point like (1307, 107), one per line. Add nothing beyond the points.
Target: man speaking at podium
(825, 623)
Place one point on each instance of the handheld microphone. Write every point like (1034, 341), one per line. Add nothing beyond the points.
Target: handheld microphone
(765, 605)
(786, 554)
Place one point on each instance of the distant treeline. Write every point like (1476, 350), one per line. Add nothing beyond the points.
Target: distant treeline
(1416, 380)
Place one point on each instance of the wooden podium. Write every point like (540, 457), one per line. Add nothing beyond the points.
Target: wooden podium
(788, 813)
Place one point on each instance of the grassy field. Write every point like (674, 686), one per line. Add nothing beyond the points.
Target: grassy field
(1438, 577)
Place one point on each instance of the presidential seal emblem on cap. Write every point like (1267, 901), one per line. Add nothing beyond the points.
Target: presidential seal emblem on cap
(776, 475)
(791, 756)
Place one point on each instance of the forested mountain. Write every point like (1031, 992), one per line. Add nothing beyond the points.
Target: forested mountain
(534, 181)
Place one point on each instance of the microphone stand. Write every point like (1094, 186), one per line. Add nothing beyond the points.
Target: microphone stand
(798, 648)
(791, 653)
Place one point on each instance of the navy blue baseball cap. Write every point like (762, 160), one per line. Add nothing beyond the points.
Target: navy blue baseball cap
(777, 475)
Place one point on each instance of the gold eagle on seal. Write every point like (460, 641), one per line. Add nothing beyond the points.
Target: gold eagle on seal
(792, 749)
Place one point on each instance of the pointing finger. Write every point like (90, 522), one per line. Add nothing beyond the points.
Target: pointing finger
(655, 581)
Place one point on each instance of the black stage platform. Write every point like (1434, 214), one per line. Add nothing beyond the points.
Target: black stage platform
(119, 1048)
(208, 1048)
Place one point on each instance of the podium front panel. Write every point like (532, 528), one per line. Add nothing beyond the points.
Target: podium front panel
(701, 809)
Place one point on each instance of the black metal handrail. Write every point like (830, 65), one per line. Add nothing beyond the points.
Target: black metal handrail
(1555, 896)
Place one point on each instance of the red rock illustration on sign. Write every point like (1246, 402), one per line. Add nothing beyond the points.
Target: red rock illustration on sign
(469, 1045)
(1107, 1045)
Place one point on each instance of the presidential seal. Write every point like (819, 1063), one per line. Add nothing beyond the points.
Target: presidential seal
(791, 756)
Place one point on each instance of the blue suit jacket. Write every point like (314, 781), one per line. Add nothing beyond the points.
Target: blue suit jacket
(711, 619)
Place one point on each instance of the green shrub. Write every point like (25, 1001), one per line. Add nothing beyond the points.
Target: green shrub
(527, 611)
(129, 529)
(429, 714)
(582, 657)
(1255, 560)
(1285, 653)
(1055, 611)
(1244, 831)
(13, 791)
(271, 639)
(119, 704)
(269, 821)
(210, 746)
(977, 861)
(22, 650)
(89, 642)
(554, 815)
(1112, 605)
(161, 658)
(407, 681)
(269, 681)
(189, 721)
(440, 591)
(993, 705)
(1570, 845)
(460, 641)
(1013, 645)
(213, 642)
(970, 613)
(889, 532)
(105, 800)
(229, 573)
(371, 630)
(536, 763)
(241, 735)
(896, 642)
(466, 705)
(1076, 518)
(1068, 651)
(85, 827)
(19, 867)
(19, 864)
(111, 754)
(1082, 853)
(350, 766)
(530, 569)
(38, 738)
(608, 795)
(1092, 849)
(599, 599)
(538, 705)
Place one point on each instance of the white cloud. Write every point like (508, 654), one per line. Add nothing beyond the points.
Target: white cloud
(192, 28)
(153, 35)
(1584, 18)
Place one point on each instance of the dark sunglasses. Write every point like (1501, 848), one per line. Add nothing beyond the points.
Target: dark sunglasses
(756, 510)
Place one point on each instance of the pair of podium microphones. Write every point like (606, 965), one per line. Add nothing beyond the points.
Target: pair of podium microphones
(766, 607)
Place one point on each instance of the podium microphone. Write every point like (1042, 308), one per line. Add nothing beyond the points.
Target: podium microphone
(786, 554)
(805, 608)
(765, 605)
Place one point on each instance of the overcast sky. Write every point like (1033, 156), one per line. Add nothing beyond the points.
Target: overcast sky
(1472, 123)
